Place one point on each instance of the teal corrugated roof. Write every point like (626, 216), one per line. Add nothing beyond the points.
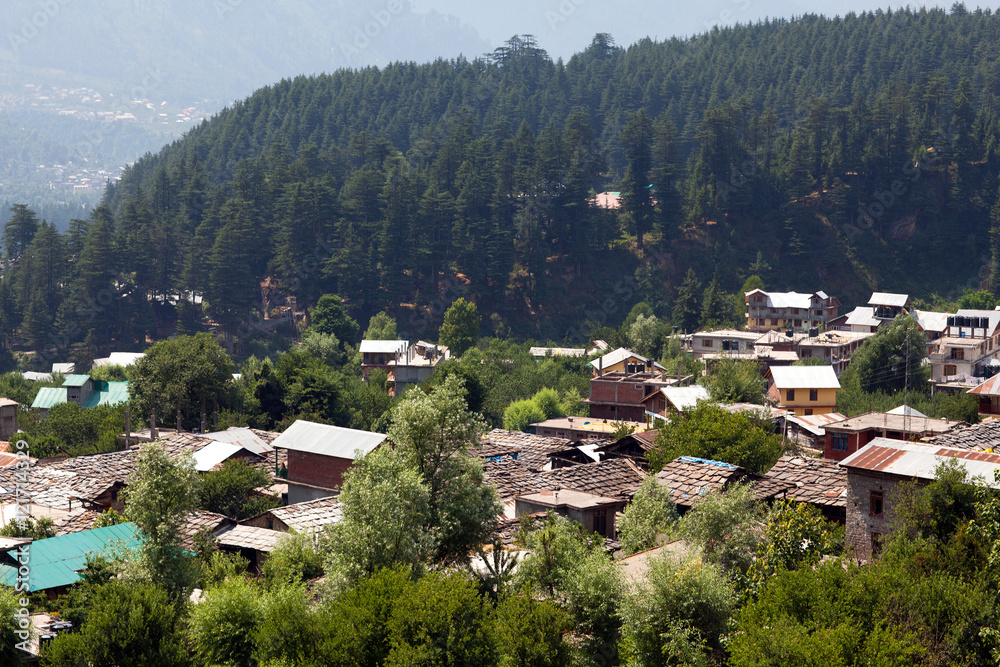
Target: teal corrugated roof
(107, 393)
(48, 397)
(75, 380)
(55, 562)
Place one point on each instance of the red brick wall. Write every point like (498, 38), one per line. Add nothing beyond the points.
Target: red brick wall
(839, 454)
(317, 469)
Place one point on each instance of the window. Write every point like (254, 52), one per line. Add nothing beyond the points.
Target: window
(957, 353)
(790, 395)
(798, 323)
(876, 544)
(795, 311)
(807, 352)
(950, 369)
(601, 522)
(808, 412)
(270, 524)
(706, 342)
(814, 394)
(819, 313)
(840, 442)
(876, 503)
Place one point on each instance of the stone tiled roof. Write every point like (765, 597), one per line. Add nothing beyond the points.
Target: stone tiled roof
(66, 484)
(815, 481)
(197, 522)
(614, 478)
(533, 451)
(494, 449)
(248, 537)
(76, 521)
(689, 478)
(978, 437)
(310, 516)
(510, 477)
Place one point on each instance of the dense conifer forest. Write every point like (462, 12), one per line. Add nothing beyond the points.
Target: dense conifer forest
(844, 154)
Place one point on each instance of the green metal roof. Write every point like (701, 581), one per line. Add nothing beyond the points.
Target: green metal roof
(48, 397)
(75, 380)
(107, 393)
(56, 561)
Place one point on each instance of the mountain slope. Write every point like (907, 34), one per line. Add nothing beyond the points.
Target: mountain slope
(838, 154)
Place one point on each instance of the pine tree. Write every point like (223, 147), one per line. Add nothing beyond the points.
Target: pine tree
(687, 305)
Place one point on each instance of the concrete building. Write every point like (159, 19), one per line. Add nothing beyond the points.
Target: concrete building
(832, 347)
(404, 364)
(845, 437)
(727, 342)
(961, 355)
(806, 390)
(768, 311)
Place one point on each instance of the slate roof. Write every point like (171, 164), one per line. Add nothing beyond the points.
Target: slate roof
(815, 481)
(65, 484)
(689, 478)
(310, 516)
(978, 437)
(199, 521)
(614, 478)
(249, 537)
(246, 438)
(76, 521)
(533, 451)
(510, 477)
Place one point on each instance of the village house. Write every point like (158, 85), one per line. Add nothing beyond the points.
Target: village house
(624, 362)
(689, 479)
(934, 325)
(809, 431)
(875, 474)
(789, 310)
(594, 512)
(82, 390)
(632, 447)
(816, 482)
(8, 418)
(727, 342)
(988, 395)
(832, 347)
(960, 357)
(881, 310)
(619, 396)
(56, 562)
(319, 455)
(307, 517)
(806, 390)
(406, 365)
(845, 437)
(582, 428)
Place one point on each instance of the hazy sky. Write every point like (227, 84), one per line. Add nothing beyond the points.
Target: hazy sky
(564, 27)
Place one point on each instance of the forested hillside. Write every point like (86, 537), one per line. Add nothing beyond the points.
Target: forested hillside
(837, 154)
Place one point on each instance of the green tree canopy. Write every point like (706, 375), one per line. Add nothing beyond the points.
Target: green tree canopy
(707, 431)
(460, 329)
(186, 374)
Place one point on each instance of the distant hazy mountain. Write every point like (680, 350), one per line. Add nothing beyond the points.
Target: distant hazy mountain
(214, 49)
(564, 27)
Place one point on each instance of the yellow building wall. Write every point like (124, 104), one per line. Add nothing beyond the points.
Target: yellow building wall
(621, 366)
(826, 402)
